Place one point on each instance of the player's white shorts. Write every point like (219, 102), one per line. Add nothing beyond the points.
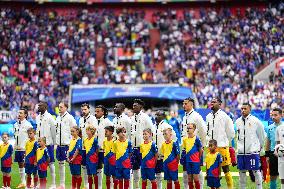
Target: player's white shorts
(281, 168)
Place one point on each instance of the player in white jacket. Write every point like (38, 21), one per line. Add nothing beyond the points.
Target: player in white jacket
(121, 119)
(139, 122)
(64, 123)
(251, 138)
(86, 119)
(191, 116)
(21, 137)
(279, 148)
(46, 128)
(221, 128)
(102, 121)
(159, 139)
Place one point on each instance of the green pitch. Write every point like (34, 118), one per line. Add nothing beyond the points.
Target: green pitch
(16, 178)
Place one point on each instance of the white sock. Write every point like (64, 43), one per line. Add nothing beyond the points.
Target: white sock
(85, 177)
(185, 179)
(159, 181)
(136, 178)
(243, 179)
(22, 175)
(258, 179)
(131, 180)
(201, 179)
(282, 186)
(62, 173)
(100, 178)
(52, 173)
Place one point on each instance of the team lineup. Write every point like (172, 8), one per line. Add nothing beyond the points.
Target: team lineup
(132, 150)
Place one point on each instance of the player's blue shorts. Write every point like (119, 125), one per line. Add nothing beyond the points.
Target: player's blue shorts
(42, 174)
(50, 149)
(6, 169)
(101, 160)
(75, 169)
(192, 168)
(147, 173)
(182, 158)
(19, 156)
(213, 182)
(92, 168)
(30, 169)
(170, 175)
(159, 166)
(61, 153)
(83, 157)
(248, 162)
(136, 158)
(122, 173)
(109, 170)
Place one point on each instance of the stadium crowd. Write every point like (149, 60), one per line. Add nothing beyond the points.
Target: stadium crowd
(215, 52)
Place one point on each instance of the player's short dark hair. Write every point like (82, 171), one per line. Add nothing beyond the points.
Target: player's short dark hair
(218, 99)
(277, 110)
(190, 99)
(31, 130)
(85, 105)
(247, 104)
(64, 103)
(121, 105)
(139, 101)
(120, 130)
(43, 103)
(25, 109)
(213, 141)
(5, 133)
(109, 128)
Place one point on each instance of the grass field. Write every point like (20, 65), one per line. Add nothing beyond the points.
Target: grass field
(16, 178)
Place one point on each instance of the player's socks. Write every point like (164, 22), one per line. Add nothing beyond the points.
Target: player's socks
(108, 182)
(35, 181)
(190, 184)
(273, 184)
(90, 181)
(282, 186)
(42, 182)
(126, 184)
(22, 175)
(52, 174)
(144, 184)
(96, 182)
(62, 173)
(229, 180)
(79, 182)
(4, 180)
(197, 184)
(74, 180)
(201, 179)
(258, 179)
(154, 184)
(185, 179)
(85, 176)
(115, 184)
(100, 178)
(8, 181)
(29, 180)
(177, 185)
(159, 181)
(120, 184)
(169, 185)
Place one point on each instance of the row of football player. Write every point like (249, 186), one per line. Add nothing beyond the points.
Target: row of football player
(218, 126)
